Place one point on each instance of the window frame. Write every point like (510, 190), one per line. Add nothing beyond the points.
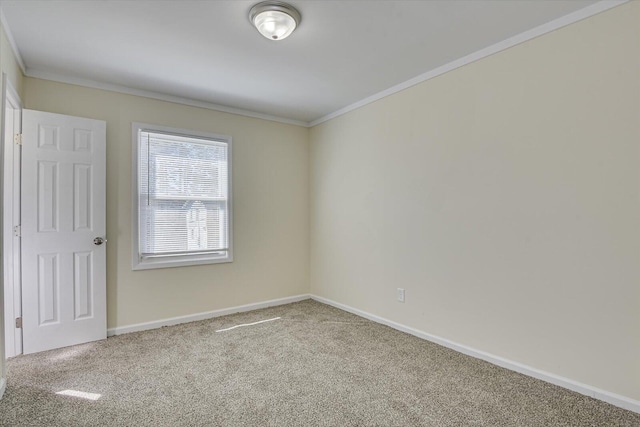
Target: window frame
(140, 263)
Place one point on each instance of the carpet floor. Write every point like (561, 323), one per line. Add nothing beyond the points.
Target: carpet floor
(304, 364)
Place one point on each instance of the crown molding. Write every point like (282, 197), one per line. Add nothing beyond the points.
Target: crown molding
(550, 26)
(12, 42)
(45, 75)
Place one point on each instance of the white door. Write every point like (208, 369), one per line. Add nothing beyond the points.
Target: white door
(63, 231)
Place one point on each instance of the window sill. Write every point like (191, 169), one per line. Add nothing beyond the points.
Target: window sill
(154, 263)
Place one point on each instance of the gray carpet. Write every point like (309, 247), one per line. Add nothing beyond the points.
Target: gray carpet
(315, 366)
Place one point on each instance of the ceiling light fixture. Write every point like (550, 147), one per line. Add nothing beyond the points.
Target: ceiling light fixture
(274, 19)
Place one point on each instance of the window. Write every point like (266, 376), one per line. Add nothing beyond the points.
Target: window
(182, 192)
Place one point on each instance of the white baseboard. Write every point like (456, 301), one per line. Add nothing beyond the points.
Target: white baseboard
(3, 386)
(203, 316)
(587, 390)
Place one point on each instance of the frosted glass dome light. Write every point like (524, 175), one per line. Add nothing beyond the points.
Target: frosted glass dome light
(275, 20)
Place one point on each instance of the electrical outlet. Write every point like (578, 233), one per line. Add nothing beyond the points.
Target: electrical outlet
(400, 295)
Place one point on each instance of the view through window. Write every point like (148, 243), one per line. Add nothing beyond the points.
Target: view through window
(183, 198)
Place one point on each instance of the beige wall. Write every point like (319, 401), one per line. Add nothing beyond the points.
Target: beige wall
(505, 197)
(270, 206)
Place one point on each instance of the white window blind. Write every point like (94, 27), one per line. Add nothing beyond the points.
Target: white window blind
(183, 197)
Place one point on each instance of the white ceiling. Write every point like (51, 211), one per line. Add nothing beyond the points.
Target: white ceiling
(343, 51)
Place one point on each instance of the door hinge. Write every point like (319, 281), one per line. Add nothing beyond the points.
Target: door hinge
(18, 322)
(18, 138)
(17, 231)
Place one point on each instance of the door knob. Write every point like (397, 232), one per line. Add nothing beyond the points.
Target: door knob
(99, 240)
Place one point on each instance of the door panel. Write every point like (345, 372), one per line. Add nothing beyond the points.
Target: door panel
(83, 285)
(63, 210)
(82, 196)
(48, 289)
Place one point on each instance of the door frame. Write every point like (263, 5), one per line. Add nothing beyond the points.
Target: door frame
(11, 247)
